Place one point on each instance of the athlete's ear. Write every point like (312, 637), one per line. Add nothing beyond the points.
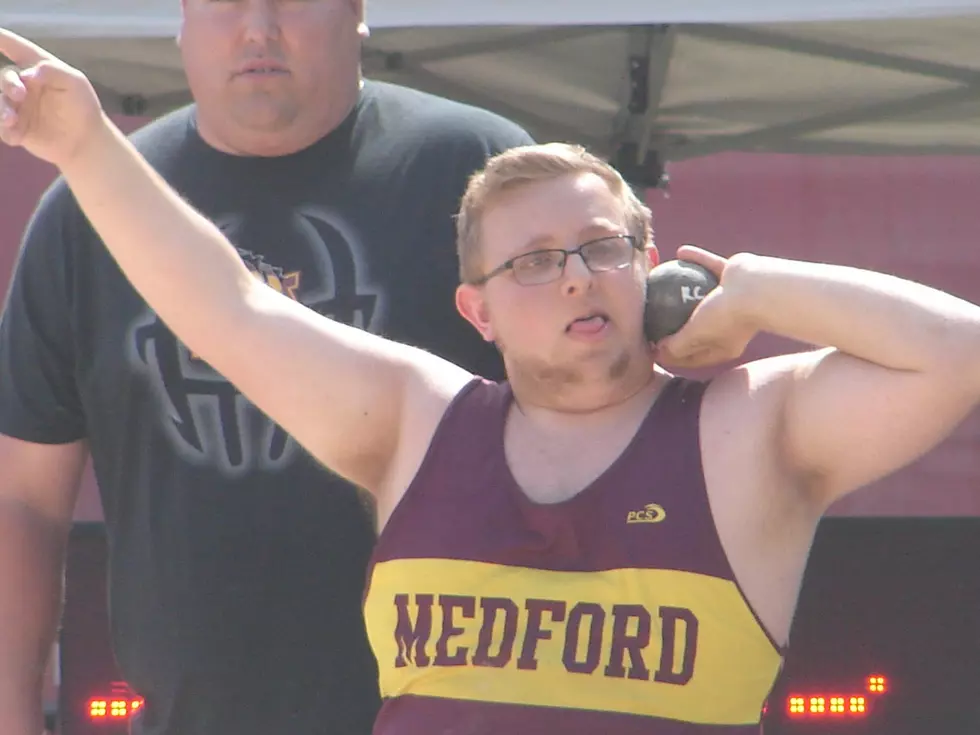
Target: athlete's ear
(653, 256)
(470, 302)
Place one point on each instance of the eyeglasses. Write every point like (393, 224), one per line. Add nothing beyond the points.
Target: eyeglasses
(544, 266)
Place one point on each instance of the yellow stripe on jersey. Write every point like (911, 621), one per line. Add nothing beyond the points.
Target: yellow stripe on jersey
(661, 643)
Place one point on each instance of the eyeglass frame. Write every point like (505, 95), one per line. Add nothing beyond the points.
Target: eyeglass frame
(508, 265)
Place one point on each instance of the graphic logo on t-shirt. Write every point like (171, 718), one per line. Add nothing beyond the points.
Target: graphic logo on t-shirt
(311, 255)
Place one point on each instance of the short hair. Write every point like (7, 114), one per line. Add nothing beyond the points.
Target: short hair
(526, 164)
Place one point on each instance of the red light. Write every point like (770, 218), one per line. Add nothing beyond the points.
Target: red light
(819, 704)
(826, 705)
(877, 684)
(121, 704)
(112, 709)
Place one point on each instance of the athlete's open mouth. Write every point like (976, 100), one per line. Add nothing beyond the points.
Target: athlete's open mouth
(589, 323)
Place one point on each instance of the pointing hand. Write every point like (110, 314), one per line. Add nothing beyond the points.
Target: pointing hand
(46, 107)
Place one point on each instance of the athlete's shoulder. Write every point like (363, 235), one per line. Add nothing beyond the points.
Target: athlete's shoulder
(468, 400)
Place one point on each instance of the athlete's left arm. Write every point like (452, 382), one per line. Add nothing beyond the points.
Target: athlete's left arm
(900, 370)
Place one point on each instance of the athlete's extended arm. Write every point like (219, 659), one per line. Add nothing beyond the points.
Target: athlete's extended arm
(903, 369)
(339, 391)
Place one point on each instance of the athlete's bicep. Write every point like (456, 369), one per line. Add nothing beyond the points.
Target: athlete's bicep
(849, 422)
(340, 391)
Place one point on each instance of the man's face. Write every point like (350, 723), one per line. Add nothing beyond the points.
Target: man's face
(264, 64)
(582, 327)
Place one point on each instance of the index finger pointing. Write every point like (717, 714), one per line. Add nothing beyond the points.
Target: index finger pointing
(20, 51)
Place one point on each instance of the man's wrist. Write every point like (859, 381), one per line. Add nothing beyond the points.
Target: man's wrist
(91, 149)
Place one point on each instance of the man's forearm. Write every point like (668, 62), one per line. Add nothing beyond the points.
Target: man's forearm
(31, 585)
(177, 259)
(880, 318)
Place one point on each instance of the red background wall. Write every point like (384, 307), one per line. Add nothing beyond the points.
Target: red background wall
(915, 217)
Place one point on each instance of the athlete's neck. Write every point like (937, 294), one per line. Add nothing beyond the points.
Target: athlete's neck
(584, 409)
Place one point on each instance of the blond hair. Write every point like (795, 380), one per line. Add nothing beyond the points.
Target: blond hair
(526, 164)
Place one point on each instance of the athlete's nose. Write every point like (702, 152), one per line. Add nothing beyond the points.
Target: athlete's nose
(576, 277)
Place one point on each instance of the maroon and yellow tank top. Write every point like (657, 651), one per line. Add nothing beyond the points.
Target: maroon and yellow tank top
(613, 612)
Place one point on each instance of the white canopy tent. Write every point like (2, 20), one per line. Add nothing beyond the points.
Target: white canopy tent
(643, 82)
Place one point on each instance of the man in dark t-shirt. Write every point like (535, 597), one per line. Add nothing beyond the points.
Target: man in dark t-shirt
(237, 561)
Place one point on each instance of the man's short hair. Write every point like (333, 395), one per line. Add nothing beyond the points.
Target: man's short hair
(526, 164)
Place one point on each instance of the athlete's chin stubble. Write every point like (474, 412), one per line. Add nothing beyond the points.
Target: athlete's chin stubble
(552, 377)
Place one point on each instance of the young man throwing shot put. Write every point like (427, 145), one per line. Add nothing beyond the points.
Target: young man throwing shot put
(593, 545)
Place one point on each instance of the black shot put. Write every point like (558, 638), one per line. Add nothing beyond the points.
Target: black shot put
(674, 289)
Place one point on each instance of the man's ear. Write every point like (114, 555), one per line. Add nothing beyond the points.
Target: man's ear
(180, 28)
(359, 9)
(470, 302)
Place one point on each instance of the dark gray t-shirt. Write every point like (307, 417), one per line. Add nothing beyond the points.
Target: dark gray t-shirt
(237, 563)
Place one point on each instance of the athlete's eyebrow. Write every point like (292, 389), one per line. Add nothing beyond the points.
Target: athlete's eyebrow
(597, 228)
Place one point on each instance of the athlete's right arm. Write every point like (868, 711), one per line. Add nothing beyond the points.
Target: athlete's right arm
(38, 487)
(342, 393)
